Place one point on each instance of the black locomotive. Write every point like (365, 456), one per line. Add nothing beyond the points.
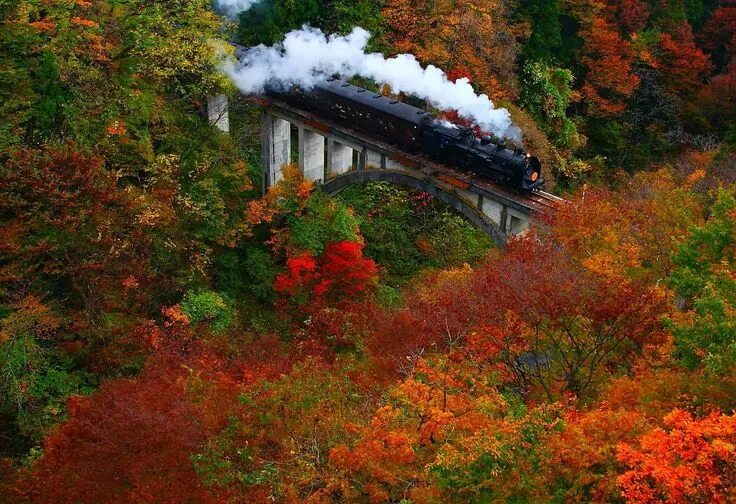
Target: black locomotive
(416, 130)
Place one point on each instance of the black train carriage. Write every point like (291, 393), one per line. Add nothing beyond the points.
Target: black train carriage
(391, 120)
(416, 130)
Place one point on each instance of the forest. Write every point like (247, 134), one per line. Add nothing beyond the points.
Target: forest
(171, 334)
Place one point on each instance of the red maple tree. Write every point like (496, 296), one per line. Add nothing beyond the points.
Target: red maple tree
(340, 272)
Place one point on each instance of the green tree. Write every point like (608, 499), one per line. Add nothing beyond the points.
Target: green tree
(546, 93)
(36, 377)
(210, 307)
(704, 278)
(545, 38)
(267, 22)
(407, 231)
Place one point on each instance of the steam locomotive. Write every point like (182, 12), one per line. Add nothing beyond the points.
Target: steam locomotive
(416, 130)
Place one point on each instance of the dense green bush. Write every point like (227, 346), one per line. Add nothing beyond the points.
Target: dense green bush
(407, 231)
(208, 306)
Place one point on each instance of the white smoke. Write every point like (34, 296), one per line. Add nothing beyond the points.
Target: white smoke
(232, 8)
(307, 57)
(447, 124)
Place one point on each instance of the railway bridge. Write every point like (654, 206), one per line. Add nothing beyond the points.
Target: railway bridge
(334, 157)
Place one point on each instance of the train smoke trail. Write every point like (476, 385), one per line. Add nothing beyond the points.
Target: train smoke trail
(232, 8)
(307, 56)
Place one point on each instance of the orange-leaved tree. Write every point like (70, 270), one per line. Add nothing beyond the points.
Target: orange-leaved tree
(682, 64)
(608, 59)
(691, 460)
(447, 435)
(466, 38)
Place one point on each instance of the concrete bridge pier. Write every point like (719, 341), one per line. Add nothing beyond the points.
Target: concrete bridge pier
(312, 155)
(393, 165)
(510, 220)
(509, 217)
(217, 112)
(375, 160)
(276, 147)
(339, 158)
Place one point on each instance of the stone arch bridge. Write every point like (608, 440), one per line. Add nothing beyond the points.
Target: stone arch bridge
(335, 157)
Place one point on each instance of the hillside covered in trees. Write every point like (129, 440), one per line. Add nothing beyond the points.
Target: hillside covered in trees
(168, 333)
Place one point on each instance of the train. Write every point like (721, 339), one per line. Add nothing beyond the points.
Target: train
(417, 131)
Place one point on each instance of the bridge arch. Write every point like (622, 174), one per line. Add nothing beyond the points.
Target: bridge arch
(340, 182)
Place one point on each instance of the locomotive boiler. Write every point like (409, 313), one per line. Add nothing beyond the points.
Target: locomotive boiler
(416, 130)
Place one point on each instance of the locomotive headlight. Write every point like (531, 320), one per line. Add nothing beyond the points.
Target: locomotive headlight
(534, 176)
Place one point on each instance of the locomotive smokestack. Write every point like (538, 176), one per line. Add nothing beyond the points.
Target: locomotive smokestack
(308, 56)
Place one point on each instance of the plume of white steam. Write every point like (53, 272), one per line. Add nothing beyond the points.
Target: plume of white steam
(232, 8)
(447, 124)
(307, 57)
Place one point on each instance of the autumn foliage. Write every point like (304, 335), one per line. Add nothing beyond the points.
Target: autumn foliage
(690, 460)
(169, 333)
(132, 441)
(341, 273)
(468, 38)
(608, 59)
(682, 63)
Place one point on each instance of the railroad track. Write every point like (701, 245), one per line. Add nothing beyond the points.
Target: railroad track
(546, 199)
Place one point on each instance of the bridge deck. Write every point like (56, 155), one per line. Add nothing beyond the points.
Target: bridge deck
(535, 202)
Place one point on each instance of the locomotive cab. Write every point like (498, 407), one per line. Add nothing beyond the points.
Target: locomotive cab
(441, 140)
